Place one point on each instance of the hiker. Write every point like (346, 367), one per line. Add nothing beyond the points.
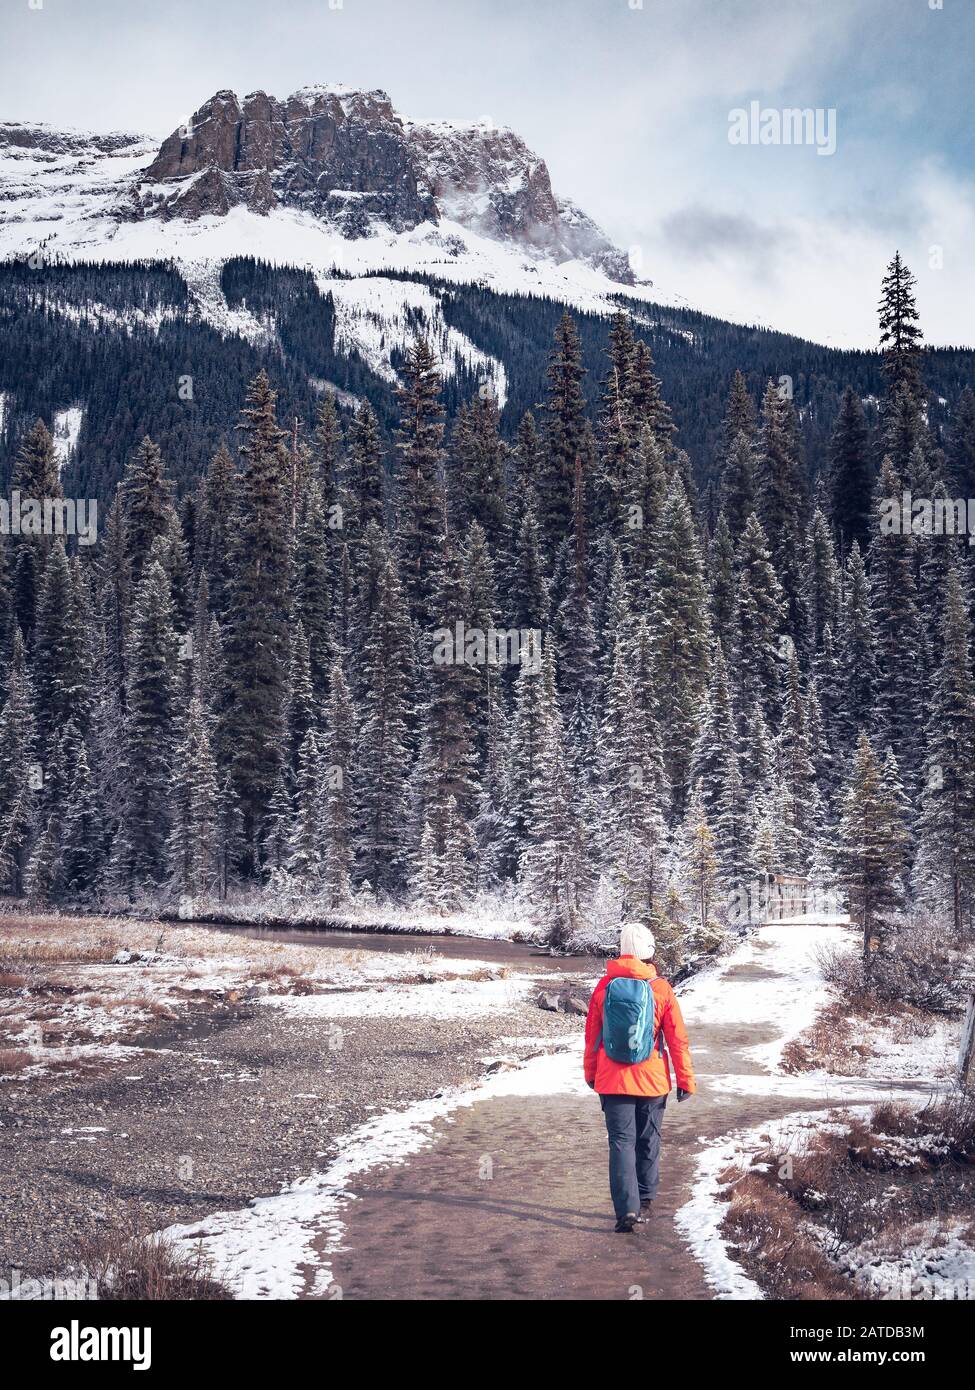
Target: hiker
(632, 1013)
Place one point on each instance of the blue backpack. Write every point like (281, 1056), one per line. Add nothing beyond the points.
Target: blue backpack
(627, 1034)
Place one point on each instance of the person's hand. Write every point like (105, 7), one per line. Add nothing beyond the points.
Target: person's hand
(682, 1094)
(591, 1085)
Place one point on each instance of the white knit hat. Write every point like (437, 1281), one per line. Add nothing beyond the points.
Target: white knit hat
(636, 940)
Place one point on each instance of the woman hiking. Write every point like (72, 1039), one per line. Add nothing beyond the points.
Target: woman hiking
(632, 1014)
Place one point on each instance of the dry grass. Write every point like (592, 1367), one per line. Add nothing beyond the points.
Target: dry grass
(766, 1230)
(128, 1265)
(13, 1060)
(835, 1041)
(861, 1182)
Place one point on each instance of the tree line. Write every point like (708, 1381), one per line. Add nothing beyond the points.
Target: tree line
(245, 691)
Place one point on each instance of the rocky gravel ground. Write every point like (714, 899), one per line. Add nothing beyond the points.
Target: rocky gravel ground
(177, 1117)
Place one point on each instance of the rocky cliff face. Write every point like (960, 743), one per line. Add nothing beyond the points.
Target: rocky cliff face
(348, 157)
(488, 180)
(340, 155)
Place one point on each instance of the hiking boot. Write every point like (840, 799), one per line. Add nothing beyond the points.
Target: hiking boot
(646, 1207)
(626, 1223)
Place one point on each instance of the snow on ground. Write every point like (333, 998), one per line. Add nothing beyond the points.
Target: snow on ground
(67, 427)
(815, 1085)
(203, 282)
(933, 1054)
(447, 999)
(772, 980)
(699, 1219)
(937, 1261)
(375, 316)
(96, 315)
(264, 1250)
(486, 917)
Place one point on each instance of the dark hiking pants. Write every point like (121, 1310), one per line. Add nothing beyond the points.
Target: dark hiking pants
(633, 1125)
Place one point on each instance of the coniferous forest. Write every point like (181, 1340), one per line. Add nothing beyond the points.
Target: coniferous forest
(424, 662)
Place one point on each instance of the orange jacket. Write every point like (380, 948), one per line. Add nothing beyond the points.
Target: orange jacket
(652, 1077)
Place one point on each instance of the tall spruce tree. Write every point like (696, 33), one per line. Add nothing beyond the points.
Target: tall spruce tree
(565, 411)
(256, 645)
(420, 501)
(946, 858)
(850, 474)
(900, 334)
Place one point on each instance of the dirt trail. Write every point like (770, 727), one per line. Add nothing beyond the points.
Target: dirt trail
(540, 1226)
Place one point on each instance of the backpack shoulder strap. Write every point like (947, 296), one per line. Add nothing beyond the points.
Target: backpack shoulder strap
(659, 1044)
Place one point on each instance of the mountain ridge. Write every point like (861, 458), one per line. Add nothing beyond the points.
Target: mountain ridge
(343, 157)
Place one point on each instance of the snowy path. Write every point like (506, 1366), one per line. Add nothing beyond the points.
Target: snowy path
(501, 1192)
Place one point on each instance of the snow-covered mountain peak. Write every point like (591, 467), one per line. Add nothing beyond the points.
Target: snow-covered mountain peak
(343, 156)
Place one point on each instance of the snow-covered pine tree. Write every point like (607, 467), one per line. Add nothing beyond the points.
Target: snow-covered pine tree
(305, 848)
(681, 635)
(62, 671)
(723, 582)
(946, 859)
(648, 408)
(615, 426)
(801, 805)
(420, 501)
(312, 586)
(759, 620)
(737, 494)
(149, 736)
(961, 445)
(255, 642)
(575, 633)
(897, 715)
(856, 657)
(327, 450)
(338, 755)
(83, 840)
(870, 848)
(643, 506)
(630, 832)
(302, 706)
(821, 583)
(781, 498)
(901, 339)
(386, 694)
(217, 517)
(145, 497)
(478, 469)
(850, 474)
(365, 478)
(553, 863)
(447, 768)
(699, 869)
(482, 614)
(193, 848)
(565, 410)
(36, 473)
(739, 418)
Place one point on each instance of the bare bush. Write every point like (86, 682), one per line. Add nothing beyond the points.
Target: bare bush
(917, 966)
(128, 1265)
(12, 1060)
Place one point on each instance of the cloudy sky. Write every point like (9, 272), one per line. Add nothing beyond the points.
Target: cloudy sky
(627, 100)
